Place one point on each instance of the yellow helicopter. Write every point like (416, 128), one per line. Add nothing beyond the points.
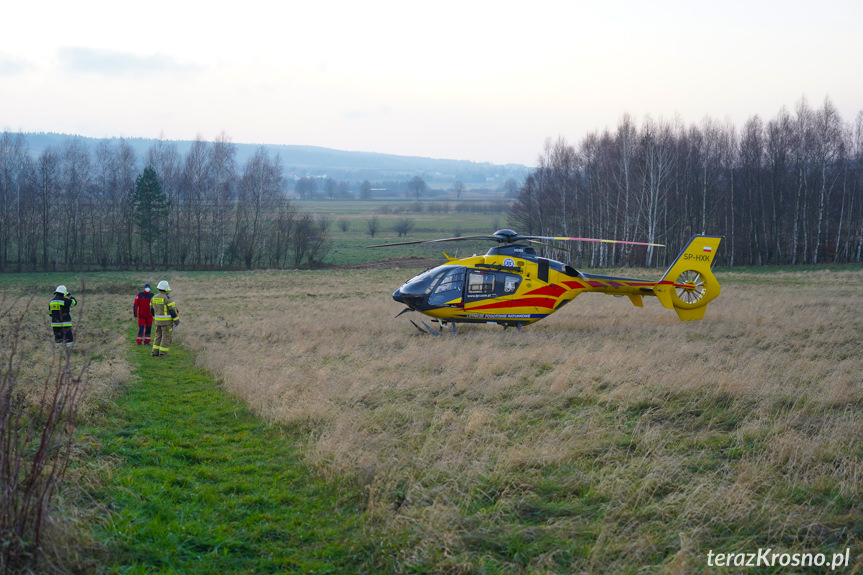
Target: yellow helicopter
(512, 286)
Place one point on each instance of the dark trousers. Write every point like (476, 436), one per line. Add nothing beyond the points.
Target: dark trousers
(144, 327)
(63, 335)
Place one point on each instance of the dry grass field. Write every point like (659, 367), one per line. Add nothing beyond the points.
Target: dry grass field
(602, 439)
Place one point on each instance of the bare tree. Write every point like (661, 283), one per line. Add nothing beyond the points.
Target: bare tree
(75, 174)
(417, 187)
(510, 188)
(165, 158)
(373, 225)
(28, 214)
(827, 149)
(127, 172)
(655, 169)
(403, 226)
(286, 217)
(106, 234)
(751, 170)
(110, 214)
(459, 188)
(802, 152)
(224, 174)
(330, 187)
(13, 151)
(729, 156)
(259, 191)
(623, 170)
(309, 241)
(306, 188)
(708, 167)
(47, 184)
(779, 146)
(196, 182)
(855, 210)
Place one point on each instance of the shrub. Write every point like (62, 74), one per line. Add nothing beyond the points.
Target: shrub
(37, 422)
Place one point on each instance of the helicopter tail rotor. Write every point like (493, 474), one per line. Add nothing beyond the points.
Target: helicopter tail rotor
(689, 284)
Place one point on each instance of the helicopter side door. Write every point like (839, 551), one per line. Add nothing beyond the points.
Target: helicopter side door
(482, 285)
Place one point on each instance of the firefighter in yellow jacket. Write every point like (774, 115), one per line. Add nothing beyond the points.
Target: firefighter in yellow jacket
(165, 319)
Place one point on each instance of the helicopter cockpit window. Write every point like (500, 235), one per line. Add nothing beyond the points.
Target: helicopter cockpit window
(423, 282)
(452, 282)
(448, 288)
(480, 284)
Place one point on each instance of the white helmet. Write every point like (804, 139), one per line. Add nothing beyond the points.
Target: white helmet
(163, 285)
(61, 289)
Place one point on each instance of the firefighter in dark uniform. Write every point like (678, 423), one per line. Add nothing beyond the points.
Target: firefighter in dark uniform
(61, 317)
(141, 310)
(166, 317)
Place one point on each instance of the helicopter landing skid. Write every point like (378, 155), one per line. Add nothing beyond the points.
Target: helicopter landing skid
(428, 328)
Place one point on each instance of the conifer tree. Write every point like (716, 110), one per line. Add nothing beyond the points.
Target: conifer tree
(150, 208)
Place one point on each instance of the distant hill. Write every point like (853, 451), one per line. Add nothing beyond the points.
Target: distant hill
(302, 161)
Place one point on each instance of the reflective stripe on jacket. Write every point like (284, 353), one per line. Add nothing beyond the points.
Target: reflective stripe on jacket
(59, 308)
(164, 310)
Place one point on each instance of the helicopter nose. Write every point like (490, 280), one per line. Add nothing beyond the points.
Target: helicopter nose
(410, 300)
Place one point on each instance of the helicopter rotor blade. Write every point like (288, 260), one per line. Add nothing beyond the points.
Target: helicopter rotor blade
(458, 239)
(509, 237)
(568, 239)
(543, 244)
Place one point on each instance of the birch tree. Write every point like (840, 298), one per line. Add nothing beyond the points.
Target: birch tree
(826, 150)
(655, 169)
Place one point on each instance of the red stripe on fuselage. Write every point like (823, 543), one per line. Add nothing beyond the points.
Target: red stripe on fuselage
(552, 290)
(547, 303)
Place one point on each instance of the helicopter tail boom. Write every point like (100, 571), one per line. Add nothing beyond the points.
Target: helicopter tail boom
(689, 284)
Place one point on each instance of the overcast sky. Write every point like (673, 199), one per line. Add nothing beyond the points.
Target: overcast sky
(487, 81)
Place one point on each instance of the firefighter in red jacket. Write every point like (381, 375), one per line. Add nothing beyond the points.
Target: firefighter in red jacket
(141, 310)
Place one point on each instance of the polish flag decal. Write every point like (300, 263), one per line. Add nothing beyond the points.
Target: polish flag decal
(708, 249)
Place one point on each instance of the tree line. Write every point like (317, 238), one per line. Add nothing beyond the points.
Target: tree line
(70, 207)
(785, 191)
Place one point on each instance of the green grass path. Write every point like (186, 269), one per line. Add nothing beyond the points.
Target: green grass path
(200, 485)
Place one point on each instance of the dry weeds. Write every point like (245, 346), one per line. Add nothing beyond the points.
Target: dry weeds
(741, 430)
(34, 365)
